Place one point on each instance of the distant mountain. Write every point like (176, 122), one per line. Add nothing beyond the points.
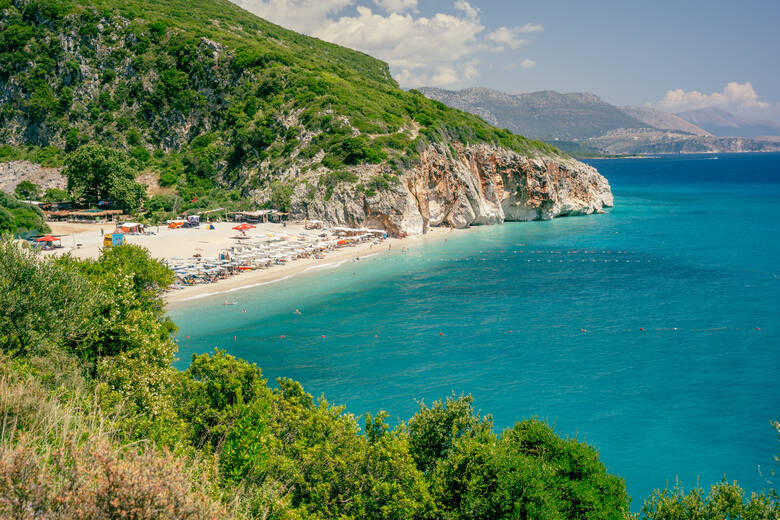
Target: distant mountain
(583, 124)
(671, 142)
(664, 120)
(542, 115)
(725, 124)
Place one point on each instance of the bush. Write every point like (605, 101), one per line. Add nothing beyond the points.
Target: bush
(724, 501)
(55, 195)
(27, 190)
(140, 154)
(17, 217)
(281, 195)
(356, 150)
(133, 137)
(161, 203)
(56, 461)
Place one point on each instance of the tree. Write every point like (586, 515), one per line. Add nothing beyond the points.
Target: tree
(18, 217)
(432, 431)
(130, 195)
(41, 301)
(726, 501)
(98, 173)
(27, 190)
(55, 195)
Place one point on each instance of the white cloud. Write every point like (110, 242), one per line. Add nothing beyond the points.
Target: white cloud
(472, 13)
(397, 6)
(510, 36)
(418, 49)
(529, 28)
(469, 69)
(299, 15)
(734, 96)
(506, 36)
(438, 50)
(527, 64)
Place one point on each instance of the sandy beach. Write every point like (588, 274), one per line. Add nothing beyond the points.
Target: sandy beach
(86, 241)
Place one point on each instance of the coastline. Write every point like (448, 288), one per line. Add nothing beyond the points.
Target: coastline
(86, 241)
(260, 277)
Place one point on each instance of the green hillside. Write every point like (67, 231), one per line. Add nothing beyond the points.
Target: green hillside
(19, 218)
(207, 95)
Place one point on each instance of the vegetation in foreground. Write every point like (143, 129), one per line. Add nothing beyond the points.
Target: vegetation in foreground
(98, 424)
(19, 218)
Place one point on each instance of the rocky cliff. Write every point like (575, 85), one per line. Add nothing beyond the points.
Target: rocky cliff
(14, 172)
(460, 186)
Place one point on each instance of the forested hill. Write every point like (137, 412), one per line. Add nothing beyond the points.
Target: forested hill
(206, 95)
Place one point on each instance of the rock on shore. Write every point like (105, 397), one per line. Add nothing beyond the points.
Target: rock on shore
(460, 186)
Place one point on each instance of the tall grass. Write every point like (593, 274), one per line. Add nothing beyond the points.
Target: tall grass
(59, 459)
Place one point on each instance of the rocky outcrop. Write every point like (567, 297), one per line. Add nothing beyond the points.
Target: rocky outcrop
(14, 172)
(459, 186)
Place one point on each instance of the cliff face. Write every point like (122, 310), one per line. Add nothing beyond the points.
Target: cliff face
(14, 172)
(460, 186)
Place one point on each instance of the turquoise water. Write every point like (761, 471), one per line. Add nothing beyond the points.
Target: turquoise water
(690, 254)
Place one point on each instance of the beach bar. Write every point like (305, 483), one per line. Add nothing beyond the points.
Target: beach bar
(83, 215)
(260, 216)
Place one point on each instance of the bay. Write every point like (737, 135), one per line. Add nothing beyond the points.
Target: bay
(651, 332)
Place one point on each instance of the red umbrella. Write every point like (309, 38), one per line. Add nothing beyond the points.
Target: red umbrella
(47, 238)
(244, 227)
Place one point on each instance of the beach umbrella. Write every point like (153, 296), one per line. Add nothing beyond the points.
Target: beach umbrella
(244, 227)
(47, 238)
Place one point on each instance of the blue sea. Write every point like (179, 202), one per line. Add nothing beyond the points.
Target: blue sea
(651, 332)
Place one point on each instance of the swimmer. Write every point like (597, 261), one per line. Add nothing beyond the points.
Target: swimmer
(297, 312)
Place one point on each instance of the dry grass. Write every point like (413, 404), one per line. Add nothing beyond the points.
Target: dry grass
(59, 460)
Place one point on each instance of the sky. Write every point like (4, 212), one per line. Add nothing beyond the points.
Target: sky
(672, 55)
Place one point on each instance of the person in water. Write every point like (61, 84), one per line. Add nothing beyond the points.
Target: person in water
(297, 312)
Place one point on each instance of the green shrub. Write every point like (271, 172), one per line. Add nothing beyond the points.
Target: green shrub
(55, 195)
(281, 195)
(27, 190)
(140, 154)
(20, 219)
(332, 161)
(356, 150)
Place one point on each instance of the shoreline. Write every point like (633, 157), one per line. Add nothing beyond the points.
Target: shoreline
(279, 273)
(85, 240)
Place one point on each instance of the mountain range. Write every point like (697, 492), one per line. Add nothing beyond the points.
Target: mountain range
(724, 124)
(584, 123)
